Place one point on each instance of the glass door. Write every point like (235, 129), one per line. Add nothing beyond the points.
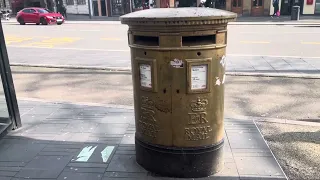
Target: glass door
(237, 6)
(317, 8)
(116, 8)
(9, 112)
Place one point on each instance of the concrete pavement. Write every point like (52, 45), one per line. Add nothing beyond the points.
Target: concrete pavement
(265, 97)
(296, 148)
(55, 139)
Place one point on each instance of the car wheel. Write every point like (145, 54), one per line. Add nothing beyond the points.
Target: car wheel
(43, 21)
(21, 21)
(37, 23)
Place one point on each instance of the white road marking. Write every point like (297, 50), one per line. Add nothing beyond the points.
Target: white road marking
(106, 153)
(86, 153)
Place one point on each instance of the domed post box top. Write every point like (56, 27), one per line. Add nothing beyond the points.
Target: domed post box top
(178, 16)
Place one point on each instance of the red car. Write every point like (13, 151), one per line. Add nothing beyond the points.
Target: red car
(39, 16)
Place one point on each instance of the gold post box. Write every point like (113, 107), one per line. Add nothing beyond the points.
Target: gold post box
(178, 70)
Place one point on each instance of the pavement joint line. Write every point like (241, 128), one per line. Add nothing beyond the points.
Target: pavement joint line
(118, 106)
(274, 157)
(127, 70)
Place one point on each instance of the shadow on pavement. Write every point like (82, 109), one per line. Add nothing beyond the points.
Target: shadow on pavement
(78, 142)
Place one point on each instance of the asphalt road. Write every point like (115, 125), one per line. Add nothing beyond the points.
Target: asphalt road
(94, 44)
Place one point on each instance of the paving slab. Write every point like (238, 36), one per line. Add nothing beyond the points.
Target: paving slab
(90, 142)
(44, 167)
(273, 65)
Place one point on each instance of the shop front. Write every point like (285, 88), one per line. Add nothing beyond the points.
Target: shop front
(307, 7)
(248, 7)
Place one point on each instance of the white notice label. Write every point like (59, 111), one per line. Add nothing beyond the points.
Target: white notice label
(145, 75)
(199, 77)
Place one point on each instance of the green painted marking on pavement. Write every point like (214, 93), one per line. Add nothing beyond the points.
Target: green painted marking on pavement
(105, 154)
(86, 153)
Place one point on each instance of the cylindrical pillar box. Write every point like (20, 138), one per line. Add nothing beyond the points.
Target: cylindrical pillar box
(178, 71)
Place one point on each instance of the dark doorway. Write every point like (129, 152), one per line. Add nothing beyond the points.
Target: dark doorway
(187, 3)
(257, 8)
(286, 6)
(103, 8)
(317, 8)
(237, 6)
(95, 8)
(220, 4)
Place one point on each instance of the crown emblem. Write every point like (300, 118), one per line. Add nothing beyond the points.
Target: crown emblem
(199, 105)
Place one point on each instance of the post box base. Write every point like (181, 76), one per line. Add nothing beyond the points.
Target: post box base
(180, 162)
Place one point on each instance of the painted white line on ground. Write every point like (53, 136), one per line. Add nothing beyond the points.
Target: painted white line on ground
(85, 153)
(106, 153)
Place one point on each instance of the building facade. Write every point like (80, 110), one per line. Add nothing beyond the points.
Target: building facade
(114, 8)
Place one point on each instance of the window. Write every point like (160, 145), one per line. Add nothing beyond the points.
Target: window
(257, 3)
(70, 2)
(26, 11)
(81, 2)
(237, 3)
(29, 11)
(44, 11)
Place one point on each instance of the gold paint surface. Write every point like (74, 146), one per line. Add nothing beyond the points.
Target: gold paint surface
(171, 113)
